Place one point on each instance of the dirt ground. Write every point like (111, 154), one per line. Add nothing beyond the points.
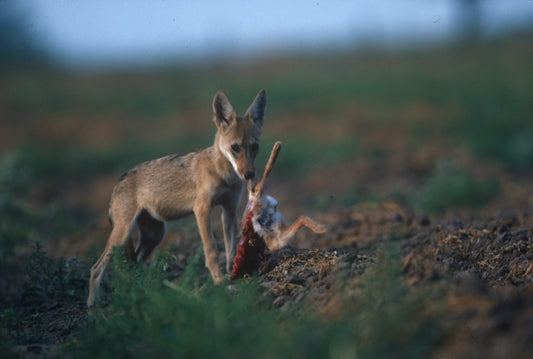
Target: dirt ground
(483, 259)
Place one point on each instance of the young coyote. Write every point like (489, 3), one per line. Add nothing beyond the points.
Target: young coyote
(176, 186)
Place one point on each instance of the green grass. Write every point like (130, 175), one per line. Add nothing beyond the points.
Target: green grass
(495, 114)
(302, 154)
(299, 155)
(53, 279)
(145, 315)
(481, 93)
(20, 218)
(391, 320)
(148, 316)
(17, 220)
(51, 283)
(451, 186)
(52, 161)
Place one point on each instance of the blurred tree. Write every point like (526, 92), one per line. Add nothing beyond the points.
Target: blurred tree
(469, 18)
(18, 47)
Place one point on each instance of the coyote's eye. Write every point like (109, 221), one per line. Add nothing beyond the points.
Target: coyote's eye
(235, 148)
(254, 148)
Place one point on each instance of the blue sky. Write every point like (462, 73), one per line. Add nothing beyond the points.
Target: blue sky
(135, 31)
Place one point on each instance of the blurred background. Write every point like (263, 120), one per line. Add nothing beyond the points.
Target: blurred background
(424, 103)
(139, 33)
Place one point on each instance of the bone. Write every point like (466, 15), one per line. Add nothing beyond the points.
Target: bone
(259, 187)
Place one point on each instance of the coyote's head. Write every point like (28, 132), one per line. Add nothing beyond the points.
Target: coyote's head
(238, 137)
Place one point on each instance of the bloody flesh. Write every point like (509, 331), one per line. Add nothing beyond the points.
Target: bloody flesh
(249, 251)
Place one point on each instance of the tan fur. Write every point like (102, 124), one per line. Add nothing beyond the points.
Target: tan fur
(176, 186)
(283, 234)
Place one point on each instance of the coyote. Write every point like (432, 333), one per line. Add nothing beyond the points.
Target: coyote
(176, 186)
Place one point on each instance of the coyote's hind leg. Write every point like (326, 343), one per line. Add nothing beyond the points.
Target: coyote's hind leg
(152, 232)
(120, 237)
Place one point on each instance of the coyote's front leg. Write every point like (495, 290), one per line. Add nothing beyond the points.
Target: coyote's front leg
(229, 227)
(202, 210)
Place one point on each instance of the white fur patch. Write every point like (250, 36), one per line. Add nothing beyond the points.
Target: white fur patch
(269, 219)
(231, 159)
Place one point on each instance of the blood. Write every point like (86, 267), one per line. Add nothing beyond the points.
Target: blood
(249, 251)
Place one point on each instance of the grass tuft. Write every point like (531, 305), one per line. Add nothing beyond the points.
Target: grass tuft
(451, 186)
(16, 218)
(148, 316)
(53, 279)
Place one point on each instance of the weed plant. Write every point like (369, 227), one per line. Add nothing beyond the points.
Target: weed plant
(54, 279)
(146, 316)
(392, 320)
(16, 218)
(451, 186)
(51, 283)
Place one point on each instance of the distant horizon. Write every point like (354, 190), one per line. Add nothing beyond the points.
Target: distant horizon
(100, 33)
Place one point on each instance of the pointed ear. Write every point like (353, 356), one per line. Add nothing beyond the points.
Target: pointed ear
(257, 109)
(223, 113)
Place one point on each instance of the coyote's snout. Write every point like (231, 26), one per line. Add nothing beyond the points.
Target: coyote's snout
(176, 186)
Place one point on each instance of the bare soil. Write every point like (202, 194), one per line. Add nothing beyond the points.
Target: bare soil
(482, 258)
